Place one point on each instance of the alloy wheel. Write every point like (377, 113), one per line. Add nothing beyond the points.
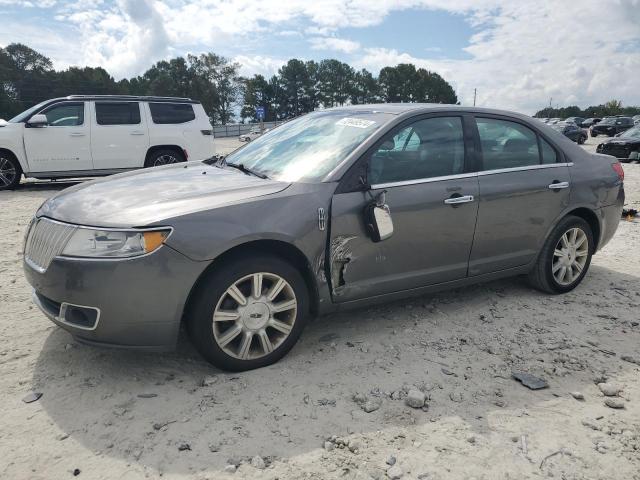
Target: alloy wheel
(570, 256)
(165, 159)
(7, 172)
(254, 316)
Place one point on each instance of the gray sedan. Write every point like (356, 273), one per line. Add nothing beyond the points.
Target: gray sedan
(337, 209)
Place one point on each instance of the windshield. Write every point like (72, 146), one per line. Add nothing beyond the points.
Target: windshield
(632, 133)
(21, 117)
(608, 121)
(308, 148)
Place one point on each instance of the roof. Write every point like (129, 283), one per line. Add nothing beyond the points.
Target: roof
(402, 108)
(128, 98)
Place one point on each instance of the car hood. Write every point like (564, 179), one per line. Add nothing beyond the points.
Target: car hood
(622, 141)
(151, 196)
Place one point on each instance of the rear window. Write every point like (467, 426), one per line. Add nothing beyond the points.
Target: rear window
(117, 113)
(163, 113)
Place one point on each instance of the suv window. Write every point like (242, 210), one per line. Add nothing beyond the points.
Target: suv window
(432, 147)
(117, 113)
(507, 144)
(163, 113)
(65, 115)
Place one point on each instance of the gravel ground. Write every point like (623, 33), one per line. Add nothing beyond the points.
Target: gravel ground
(343, 403)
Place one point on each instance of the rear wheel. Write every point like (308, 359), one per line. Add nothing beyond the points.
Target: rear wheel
(248, 313)
(565, 257)
(10, 171)
(581, 139)
(165, 156)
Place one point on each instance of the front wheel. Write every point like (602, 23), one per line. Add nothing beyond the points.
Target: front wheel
(581, 140)
(565, 257)
(10, 172)
(248, 313)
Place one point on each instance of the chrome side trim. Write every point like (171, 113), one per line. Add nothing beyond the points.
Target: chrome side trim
(424, 180)
(468, 175)
(523, 169)
(60, 317)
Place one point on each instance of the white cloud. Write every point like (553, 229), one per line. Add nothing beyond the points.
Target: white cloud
(521, 54)
(335, 44)
(528, 52)
(258, 65)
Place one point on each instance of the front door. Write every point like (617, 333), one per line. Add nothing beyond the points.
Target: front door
(433, 203)
(119, 137)
(64, 144)
(524, 187)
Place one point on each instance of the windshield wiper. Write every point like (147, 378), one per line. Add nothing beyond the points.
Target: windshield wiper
(245, 170)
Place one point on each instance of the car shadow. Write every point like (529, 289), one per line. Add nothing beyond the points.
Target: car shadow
(460, 346)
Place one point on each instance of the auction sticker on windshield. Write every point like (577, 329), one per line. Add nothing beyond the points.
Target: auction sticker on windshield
(354, 122)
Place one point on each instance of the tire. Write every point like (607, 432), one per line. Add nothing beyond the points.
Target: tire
(253, 321)
(594, 134)
(164, 156)
(581, 139)
(10, 171)
(542, 275)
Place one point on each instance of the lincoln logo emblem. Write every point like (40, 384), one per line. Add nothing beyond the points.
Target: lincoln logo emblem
(255, 315)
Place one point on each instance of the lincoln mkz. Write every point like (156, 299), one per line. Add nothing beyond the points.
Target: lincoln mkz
(336, 209)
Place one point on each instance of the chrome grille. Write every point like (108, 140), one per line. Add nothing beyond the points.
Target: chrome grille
(45, 240)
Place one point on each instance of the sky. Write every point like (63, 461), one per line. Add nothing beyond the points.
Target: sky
(518, 54)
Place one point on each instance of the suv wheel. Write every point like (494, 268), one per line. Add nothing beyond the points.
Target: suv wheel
(10, 171)
(565, 257)
(166, 156)
(581, 139)
(248, 313)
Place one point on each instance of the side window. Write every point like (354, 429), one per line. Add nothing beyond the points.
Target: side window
(65, 115)
(432, 147)
(549, 154)
(165, 113)
(121, 113)
(507, 144)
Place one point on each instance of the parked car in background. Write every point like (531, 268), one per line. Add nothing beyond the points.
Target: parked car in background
(577, 120)
(254, 133)
(611, 126)
(338, 208)
(636, 119)
(553, 121)
(589, 122)
(80, 136)
(571, 131)
(624, 146)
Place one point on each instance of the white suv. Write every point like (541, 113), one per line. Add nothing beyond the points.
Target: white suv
(81, 135)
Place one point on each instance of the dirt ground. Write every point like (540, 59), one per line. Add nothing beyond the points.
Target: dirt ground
(336, 406)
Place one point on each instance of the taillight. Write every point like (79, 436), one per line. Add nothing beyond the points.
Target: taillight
(619, 170)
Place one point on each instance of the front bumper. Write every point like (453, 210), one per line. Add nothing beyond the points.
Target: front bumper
(134, 302)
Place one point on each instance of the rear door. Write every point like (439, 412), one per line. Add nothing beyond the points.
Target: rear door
(431, 194)
(64, 144)
(524, 187)
(119, 135)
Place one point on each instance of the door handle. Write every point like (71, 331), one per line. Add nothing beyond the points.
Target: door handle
(458, 200)
(559, 185)
(137, 133)
(77, 134)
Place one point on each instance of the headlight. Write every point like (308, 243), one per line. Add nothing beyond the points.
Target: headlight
(89, 242)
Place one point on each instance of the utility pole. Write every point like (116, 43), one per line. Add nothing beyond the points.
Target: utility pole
(474, 96)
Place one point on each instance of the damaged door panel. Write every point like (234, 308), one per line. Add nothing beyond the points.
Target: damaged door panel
(430, 244)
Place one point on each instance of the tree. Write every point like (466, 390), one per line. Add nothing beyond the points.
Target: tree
(365, 88)
(217, 85)
(335, 82)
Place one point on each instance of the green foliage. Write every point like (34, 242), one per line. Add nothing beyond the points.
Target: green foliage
(27, 78)
(612, 107)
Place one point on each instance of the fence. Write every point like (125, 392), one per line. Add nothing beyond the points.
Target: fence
(237, 129)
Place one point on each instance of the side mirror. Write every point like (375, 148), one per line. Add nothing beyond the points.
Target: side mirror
(378, 219)
(38, 121)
